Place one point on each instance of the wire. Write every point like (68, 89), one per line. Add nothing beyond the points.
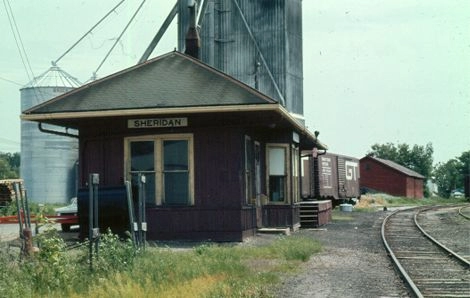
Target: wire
(18, 41)
(10, 81)
(119, 38)
(88, 32)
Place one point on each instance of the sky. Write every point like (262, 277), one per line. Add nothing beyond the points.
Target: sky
(382, 71)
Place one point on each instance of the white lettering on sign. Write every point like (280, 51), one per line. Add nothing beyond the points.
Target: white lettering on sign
(351, 170)
(157, 122)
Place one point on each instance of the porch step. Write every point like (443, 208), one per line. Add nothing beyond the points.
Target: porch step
(285, 231)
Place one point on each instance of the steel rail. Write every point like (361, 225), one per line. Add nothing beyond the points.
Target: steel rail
(463, 215)
(435, 241)
(397, 263)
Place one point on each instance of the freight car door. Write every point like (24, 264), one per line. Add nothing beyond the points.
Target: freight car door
(327, 175)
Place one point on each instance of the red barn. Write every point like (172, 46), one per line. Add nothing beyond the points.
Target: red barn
(389, 177)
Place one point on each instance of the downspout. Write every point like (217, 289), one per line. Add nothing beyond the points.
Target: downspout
(58, 133)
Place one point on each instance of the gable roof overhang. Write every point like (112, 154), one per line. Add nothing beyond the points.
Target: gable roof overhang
(395, 167)
(171, 84)
(268, 111)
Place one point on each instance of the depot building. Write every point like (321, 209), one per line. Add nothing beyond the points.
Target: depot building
(221, 159)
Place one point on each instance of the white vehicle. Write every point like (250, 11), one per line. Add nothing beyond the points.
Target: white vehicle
(71, 209)
(456, 194)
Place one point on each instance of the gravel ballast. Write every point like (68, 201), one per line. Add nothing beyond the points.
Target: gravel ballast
(353, 262)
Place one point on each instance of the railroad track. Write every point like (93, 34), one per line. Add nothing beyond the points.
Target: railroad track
(430, 269)
(465, 212)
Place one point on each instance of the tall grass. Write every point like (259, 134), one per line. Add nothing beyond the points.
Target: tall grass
(207, 270)
(369, 203)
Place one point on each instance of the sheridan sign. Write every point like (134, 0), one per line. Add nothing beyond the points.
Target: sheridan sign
(157, 122)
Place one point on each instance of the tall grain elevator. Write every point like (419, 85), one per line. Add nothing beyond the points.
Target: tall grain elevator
(259, 42)
(48, 161)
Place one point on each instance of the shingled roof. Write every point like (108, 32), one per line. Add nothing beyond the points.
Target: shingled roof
(397, 167)
(170, 84)
(168, 81)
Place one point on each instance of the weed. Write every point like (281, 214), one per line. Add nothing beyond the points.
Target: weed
(114, 254)
(209, 270)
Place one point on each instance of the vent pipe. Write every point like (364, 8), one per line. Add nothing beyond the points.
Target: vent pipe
(193, 42)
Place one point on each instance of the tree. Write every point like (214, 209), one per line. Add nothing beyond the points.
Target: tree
(464, 167)
(9, 165)
(448, 177)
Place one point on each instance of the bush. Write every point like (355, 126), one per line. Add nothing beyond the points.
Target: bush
(113, 254)
(50, 269)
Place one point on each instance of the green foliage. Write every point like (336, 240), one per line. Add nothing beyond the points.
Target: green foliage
(12, 279)
(9, 165)
(464, 165)
(208, 270)
(450, 175)
(50, 269)
(34, 209)
(9, 209)
(447, 177)
(422, 202)
(295, 248)
(114, 254)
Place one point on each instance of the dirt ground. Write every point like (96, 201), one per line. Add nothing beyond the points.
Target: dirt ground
(353, 263)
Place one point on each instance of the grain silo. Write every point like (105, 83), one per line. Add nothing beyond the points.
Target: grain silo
(259, 42)
(48, 160)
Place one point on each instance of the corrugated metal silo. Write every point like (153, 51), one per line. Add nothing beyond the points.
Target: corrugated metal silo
(48, 161)
(256, 41)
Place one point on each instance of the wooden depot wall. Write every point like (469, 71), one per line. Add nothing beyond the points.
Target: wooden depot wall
(220, 211)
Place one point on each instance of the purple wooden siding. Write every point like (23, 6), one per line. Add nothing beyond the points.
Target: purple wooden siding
(281, 215)
(218, 164)
(220, 211)
(103, 156)
(196, 224)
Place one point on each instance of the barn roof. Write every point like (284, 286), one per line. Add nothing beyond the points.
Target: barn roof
(397, 167)
(170, 80)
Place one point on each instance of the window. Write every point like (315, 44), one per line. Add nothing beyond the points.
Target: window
(295, 175)
(277, 173)
(249, 160)
(175, 172)
(252, 171)
(143, 161)
(167, 162)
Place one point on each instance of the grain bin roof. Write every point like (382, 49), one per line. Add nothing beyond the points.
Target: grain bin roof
(54, 77)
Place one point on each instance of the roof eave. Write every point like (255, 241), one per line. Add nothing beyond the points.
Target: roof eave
(417, 175)
(147, 111)
(299, 127)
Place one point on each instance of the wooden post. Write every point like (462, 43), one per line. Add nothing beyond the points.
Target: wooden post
(28, 241)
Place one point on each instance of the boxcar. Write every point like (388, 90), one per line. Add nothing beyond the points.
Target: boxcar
(330, 176)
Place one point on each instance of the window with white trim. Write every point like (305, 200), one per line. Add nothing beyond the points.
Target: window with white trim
(167, 163)
(277, 169)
